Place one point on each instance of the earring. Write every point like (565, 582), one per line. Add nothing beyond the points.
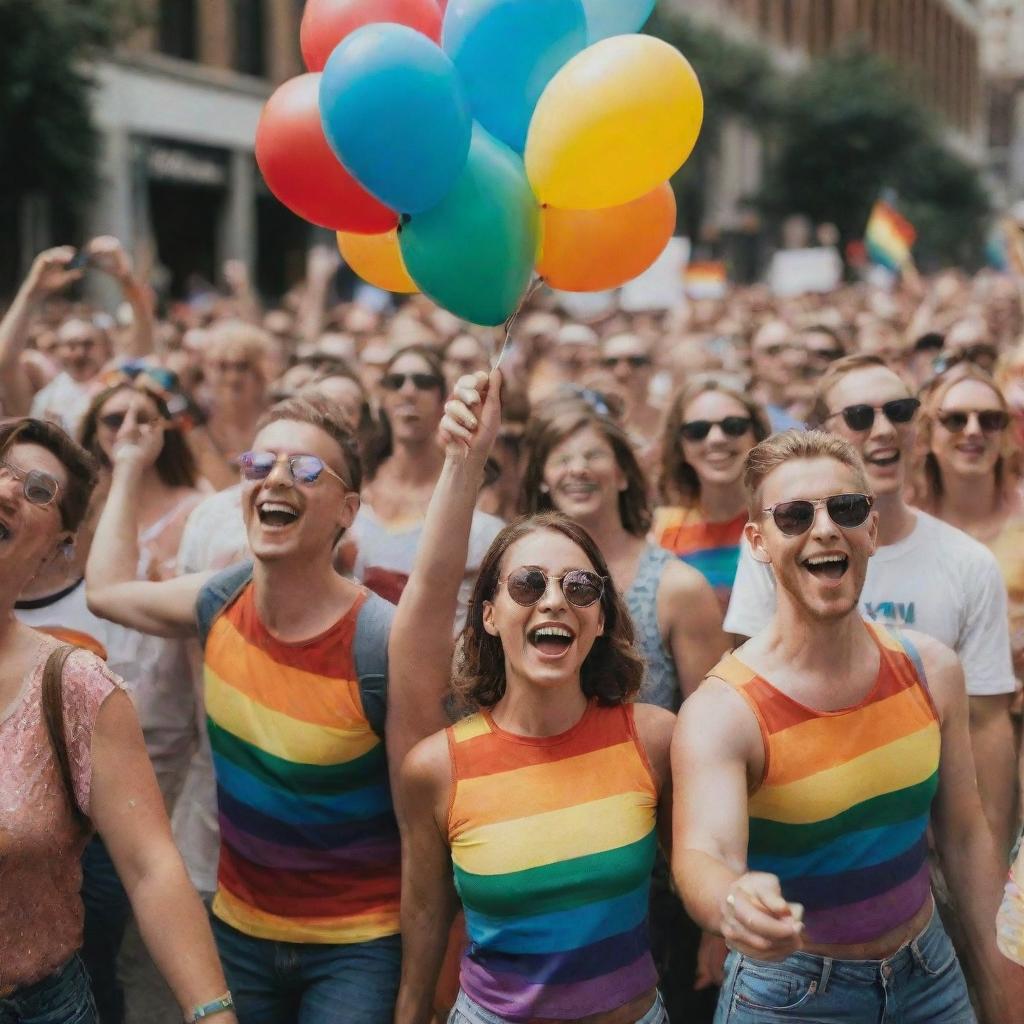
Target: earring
(67, 549)
(544, 489)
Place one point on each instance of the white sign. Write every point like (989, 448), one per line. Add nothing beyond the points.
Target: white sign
(661, 286)
(800, 271)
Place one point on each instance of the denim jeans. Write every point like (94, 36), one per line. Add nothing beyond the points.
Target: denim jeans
(466, 1011)
(309, 983)
(62, 998)
(921, 983)
(107, 913)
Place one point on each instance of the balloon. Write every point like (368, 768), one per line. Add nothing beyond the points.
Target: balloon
(394, 112)
(300, 169)
(619, 118)
(326, 22)
(593, 250)
(377, 260)
(506, 52)
(473, 254)
(615, 17)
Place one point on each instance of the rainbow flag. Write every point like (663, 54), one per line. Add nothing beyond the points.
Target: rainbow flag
(706, 280)
(889, 238)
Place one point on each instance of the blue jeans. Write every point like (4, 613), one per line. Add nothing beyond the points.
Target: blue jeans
(921, 983)
(465, 1011)
(309, 983)
(62, 998)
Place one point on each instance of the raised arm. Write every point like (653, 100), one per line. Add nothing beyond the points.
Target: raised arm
(166, 608)
(108, 255)
(420, 651)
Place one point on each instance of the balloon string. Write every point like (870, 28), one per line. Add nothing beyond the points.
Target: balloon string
(511, 321)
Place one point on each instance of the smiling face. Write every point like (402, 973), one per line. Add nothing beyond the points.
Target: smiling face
(718, 459)
(414, 413)
(885, 447)
(973, 451)
(546, 643)
(287, 520)
(119, 416)
(81, 349)
(820, 571)
(583, 477)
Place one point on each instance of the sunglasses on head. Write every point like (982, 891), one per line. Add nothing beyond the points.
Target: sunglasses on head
(636, 362)
(304, 469)
(421, 381)
(38, 487)
(991, 421)
(862, 417)
(847, 511)
(528, 584)
(731, 426)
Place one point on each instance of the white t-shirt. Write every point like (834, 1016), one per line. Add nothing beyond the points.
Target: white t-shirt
(214, 536)
(937, 580)
(64, 400)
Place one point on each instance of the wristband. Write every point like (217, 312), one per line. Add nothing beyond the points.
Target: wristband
(219, 1005)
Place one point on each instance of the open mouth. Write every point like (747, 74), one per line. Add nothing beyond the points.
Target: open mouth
(276, 514)
(551, 641)
(830, 567)
(884, 458)
(579, 490)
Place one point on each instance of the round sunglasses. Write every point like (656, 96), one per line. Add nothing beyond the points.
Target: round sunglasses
(421, 381)
(528, 584)
(304, 469)
(732, 426)
(38, 487)
(991, 421)
(847, 511)
(862, 417)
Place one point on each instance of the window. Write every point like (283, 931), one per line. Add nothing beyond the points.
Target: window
(176, 28)
(249, 37)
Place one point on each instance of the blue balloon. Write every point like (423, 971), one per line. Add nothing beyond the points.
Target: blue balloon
(396, 115)
(506, 52)
(615, 17)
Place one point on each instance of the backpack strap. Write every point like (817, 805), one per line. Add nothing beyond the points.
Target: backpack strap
(370, 654)
(217, 593)
(53, 716)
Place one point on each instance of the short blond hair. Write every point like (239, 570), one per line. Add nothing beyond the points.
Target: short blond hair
(764, 458)
(835, 373)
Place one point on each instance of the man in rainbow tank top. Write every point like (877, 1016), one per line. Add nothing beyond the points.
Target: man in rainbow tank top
(807, 769)
(298, 701)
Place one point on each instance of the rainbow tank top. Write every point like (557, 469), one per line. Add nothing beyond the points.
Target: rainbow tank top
(553, 841)
(309, 843)
(842, 811)
(711, 548)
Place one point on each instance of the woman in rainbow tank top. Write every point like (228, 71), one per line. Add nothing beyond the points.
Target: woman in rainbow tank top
(541, 810)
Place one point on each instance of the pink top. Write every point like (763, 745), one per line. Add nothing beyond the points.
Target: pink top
(41, 911)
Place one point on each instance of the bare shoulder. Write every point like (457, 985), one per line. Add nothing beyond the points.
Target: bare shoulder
(717, 724)
(654, 726)
(944, 675)
(683, 582)
(427, 767)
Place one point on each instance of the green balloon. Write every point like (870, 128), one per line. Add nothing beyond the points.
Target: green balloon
(474, 253)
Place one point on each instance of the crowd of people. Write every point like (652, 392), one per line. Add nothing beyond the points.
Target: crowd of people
(669, 672)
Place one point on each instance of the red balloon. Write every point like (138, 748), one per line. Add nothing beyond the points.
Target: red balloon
(302, 171)
(326, 22)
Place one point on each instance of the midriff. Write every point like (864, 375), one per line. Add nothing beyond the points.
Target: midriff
(882, 947)
(628, 1013)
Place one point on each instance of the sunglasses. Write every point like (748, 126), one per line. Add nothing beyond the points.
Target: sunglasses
(847, 511)
(862, 417)
(991, 421)
(528, 584)
(421, 381)
(731, 426)
(304, 469)
(115, 420)
(38, 487)
(636, 362)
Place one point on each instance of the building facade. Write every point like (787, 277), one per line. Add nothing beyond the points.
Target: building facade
(1003, 66)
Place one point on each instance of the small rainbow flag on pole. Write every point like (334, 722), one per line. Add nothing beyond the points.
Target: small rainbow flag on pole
(889, 237)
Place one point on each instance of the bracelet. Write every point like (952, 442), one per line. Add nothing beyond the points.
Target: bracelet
(219, 1005)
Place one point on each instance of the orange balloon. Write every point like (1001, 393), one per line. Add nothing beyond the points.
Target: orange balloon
(593, 250)
(377, 259)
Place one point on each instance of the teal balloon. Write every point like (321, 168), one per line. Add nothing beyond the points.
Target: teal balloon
(474, 253)
(615, 17)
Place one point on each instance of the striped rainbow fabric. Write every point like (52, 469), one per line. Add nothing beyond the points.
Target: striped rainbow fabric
(842, 813)
(553, 843)
(309, 843)
(711, 548)
(889, 237)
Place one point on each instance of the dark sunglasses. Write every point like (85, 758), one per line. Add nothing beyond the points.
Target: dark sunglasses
(732, 426)
(991, 421)
(862, 417)
(38, 487)
(528, 584)
(847, 511)
(421, 381)
(115, 420)
(304, 469)
(637, 362)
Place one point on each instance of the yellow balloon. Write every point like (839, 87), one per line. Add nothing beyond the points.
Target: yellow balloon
(377, 259)
(617, 120)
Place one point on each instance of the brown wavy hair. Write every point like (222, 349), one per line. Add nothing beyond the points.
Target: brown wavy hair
(547, 431)
(611, 672)
(678, 482)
